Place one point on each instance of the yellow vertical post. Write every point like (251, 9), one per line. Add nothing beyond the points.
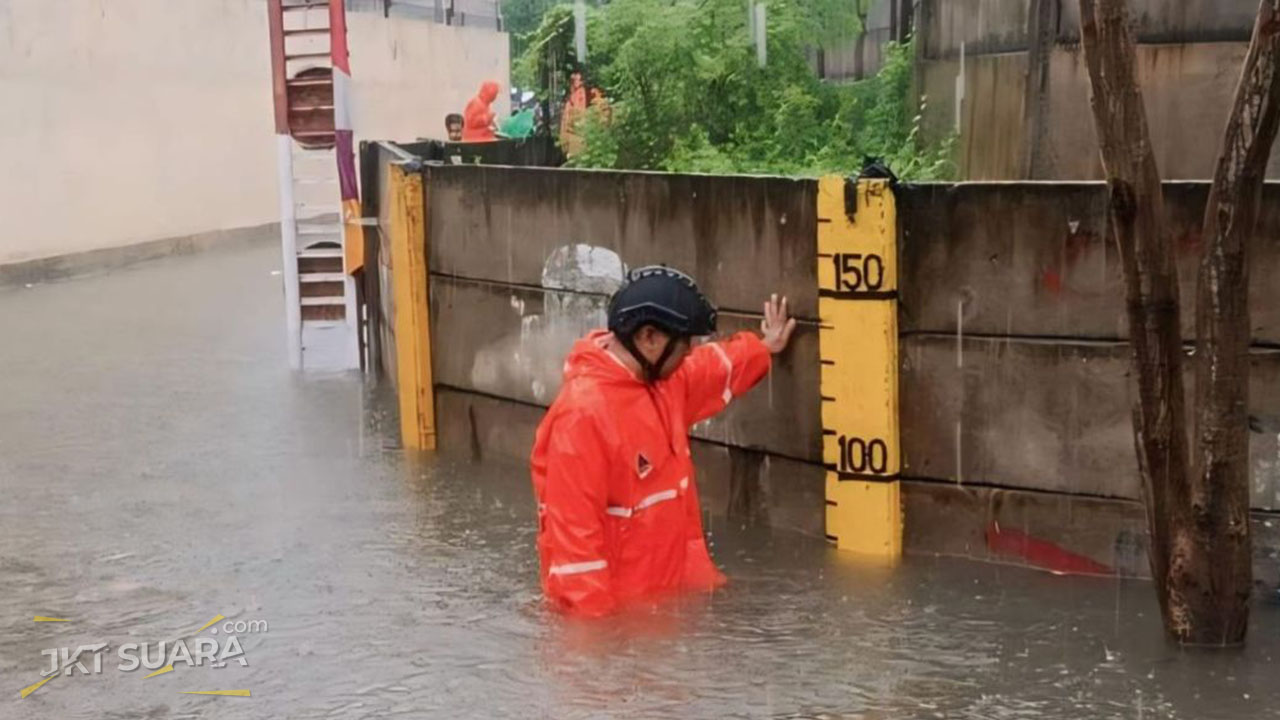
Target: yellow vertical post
(412, 313)
(858, 346)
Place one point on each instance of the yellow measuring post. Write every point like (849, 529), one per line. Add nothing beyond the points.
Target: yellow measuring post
(858, 347)
(412, 315)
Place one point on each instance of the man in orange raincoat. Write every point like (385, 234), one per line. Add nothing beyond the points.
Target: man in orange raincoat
(618, 513)
(477, 118)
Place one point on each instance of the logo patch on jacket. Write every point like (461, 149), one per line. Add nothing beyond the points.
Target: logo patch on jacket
(643, 466)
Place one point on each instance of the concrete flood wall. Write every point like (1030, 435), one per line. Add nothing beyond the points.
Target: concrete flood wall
(1013, 379)
(1015, 363)
(1014, 337)
(523, 261)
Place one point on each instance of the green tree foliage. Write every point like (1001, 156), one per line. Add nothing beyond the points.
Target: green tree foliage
(521, 17)
(549, 53)
(687, 94)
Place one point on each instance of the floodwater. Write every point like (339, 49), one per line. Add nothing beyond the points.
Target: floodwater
(160, 467)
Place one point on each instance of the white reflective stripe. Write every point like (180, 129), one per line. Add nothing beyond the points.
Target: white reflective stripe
(684, 483)
(653, 499)
(656, 498)
(728, 370)
(578, 567)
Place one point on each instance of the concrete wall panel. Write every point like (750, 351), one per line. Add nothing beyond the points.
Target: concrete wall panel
(739, 236)
(1187, 89)
(983, 26)
(511, 342)
(992, 131)
(1052, 416)
(1032, 259)
(1175, 21)
(998, 26)
(735, 485)
(957, 521)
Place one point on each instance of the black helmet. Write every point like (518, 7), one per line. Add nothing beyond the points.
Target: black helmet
(664, 297)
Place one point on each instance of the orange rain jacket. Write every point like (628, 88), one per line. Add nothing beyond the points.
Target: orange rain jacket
(618, 513)
(477, 118)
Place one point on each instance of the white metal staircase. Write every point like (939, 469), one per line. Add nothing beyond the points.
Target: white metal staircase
(319, 292)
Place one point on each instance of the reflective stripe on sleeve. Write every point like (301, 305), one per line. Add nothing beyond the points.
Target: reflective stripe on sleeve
(578, 567)
(727, 395)
(656, 498)
(653, 499)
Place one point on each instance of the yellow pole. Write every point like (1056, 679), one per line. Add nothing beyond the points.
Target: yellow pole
(858, 346)
(411, 310)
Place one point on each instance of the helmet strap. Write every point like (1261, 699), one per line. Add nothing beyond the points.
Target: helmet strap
(650, 370)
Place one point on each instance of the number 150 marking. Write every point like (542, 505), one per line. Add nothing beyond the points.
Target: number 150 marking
(855, 271)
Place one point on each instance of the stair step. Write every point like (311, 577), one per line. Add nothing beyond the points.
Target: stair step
(307, 31)
(308, 264)
(320, 253)
(319, 226)
(306, 5)
(318, 242)
(323, 313)
(309, 108)
(322, 289)
(318, 277)
(316, 234)
(309, 81)
(331, 300)
(308, 56)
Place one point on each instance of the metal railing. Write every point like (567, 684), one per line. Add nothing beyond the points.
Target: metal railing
(466, 13)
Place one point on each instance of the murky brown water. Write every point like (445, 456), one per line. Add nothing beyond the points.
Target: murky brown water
(160, 466)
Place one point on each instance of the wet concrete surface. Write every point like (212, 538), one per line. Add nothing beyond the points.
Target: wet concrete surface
(160, 466)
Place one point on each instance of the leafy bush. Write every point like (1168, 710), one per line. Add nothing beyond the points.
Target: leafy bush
(688, 95)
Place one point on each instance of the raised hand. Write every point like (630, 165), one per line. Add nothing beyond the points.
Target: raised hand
(777, 326)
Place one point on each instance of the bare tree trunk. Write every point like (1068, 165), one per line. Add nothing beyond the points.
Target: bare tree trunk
(1214, 571)
(1151, 276)
(1199, 514)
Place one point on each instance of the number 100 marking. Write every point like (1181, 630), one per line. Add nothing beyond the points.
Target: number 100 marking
(861, 456)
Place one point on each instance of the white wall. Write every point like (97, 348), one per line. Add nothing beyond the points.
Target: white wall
(407, 75)
(124, 121)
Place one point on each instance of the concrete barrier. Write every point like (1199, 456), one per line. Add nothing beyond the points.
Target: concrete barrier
(1016, 443)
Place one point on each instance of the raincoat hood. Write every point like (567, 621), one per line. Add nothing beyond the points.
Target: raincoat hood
(488, 91)
(589, 359)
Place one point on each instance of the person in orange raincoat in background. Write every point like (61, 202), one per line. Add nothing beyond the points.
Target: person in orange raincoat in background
(575, 108)
(618, 512)
(477, 119)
